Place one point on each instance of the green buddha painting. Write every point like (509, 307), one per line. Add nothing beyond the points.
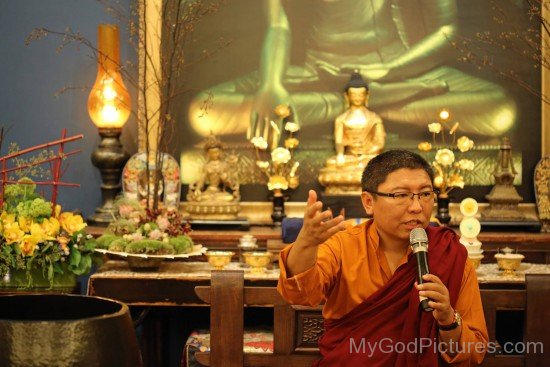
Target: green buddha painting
(401, 48)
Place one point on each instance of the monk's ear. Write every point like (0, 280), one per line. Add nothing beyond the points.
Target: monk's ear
(368, 202)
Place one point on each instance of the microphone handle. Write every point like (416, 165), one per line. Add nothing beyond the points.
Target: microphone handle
(422, 269)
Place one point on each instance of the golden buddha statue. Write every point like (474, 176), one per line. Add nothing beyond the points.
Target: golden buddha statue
(215, 195)
(359, 136)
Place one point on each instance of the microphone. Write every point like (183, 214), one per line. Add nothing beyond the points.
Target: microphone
(419, 243)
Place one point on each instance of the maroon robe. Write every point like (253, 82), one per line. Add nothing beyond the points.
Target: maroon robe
(392, 318)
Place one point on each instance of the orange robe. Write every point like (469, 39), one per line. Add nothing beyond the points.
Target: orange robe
(350, 267)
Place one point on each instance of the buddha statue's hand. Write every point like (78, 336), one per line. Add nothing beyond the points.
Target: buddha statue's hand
(265, 101)
(318, 225)
(329, 71)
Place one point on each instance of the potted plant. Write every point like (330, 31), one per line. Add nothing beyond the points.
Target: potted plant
(40, 245)
(145, 236)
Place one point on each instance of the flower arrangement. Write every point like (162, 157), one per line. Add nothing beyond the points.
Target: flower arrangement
(137, 230)
(281, 168)
(448, 169)
(35, 235)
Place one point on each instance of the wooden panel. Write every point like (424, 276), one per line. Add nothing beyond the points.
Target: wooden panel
(284, 320)
(253, 296)
(226, 318)
(537, 319)
(309, 330)
(494, 300)
(503, 361)
(266, 360)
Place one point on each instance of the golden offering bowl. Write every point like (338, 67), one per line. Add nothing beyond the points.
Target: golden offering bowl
(219, 259)
(475, 260)
(257, 260)
(509, 263)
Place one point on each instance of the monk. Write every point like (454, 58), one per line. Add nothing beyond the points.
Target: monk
(366, 276)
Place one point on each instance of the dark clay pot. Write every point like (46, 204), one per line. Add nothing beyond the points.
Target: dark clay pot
(66, 330)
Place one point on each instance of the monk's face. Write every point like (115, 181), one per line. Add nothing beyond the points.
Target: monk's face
(394, 220)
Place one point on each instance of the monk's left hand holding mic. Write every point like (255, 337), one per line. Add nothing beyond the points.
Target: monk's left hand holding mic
(434, 289)
(318, 227)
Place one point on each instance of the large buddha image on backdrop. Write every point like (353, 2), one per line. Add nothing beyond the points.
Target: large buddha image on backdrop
(302, 53)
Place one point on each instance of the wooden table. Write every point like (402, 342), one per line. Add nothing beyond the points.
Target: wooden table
(154, 298)
(174, 286)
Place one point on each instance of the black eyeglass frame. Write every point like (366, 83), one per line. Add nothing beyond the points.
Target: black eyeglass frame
(412, 194)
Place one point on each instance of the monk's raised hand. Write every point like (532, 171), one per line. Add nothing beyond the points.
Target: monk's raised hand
(318, 225)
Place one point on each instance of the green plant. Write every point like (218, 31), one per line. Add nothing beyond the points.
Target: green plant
(143, 231)
(36, 236)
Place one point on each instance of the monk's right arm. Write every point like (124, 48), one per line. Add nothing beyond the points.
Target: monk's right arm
(300, 258)
(317, 228)
(299, 281)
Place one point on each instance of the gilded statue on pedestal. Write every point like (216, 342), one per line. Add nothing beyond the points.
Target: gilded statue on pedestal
(359, 136)
(215, 195)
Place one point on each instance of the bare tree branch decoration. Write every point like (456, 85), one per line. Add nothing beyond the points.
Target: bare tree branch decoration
(180, 19)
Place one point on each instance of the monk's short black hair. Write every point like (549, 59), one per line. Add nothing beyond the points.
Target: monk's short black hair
(378, 169)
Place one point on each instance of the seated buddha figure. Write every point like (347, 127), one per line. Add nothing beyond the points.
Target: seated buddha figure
(215, 195)
(359, 136)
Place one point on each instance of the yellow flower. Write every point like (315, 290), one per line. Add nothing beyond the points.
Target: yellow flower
(291, 143)
(262, 164)
(277, 182)
(25, 223)
(7, 219)
(438, 181)
(28, 244)
(38, 232)
(282, 111)
(444, 157)
(71, 223)
(12, 233)
(424, 146)
(259, 142)
(57, 210)
(434, 127)
(280, 155)
(464, 144)
(465, 164)
(456, 180)
(293, 182)
(51, 227)
(292, 127)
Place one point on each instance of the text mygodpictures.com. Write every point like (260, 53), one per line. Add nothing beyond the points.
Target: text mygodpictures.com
(422, 345)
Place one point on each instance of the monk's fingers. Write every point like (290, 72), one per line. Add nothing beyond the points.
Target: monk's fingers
(436, 287)
(432, 278)
(312, 210)
(321, 217)
(435, 296)
(334, 225)
(440, 308)
(331, 222)
(311, 198)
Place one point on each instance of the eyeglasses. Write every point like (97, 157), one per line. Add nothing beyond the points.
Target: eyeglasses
(405, 198)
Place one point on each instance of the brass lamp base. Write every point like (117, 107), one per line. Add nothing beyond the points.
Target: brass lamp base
(110, 159)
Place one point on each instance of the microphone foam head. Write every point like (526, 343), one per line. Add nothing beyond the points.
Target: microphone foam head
(418, 235)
